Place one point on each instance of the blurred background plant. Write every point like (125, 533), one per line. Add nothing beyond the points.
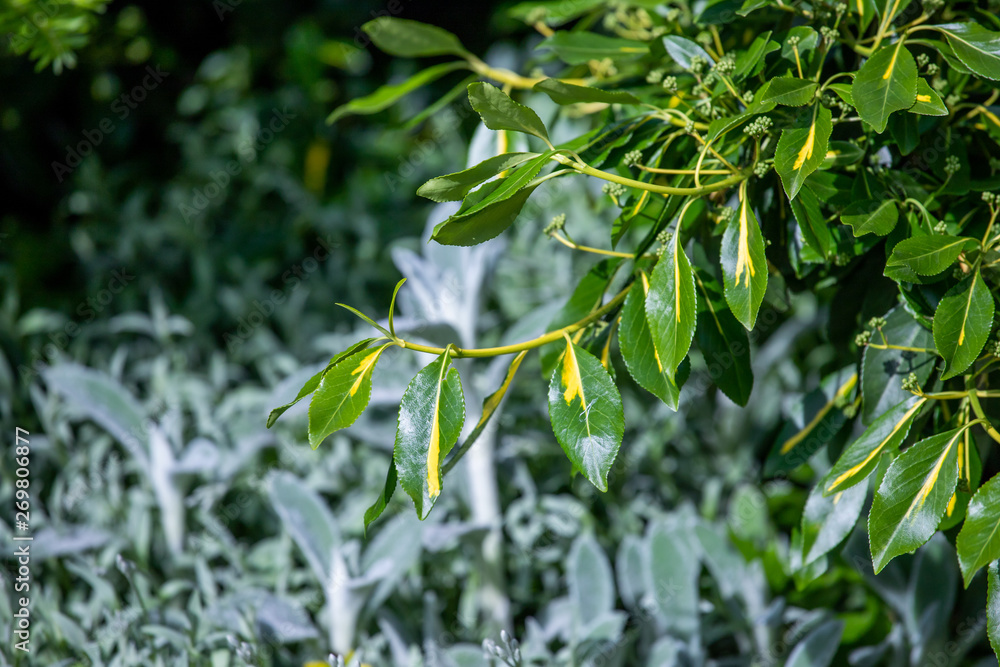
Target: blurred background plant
(158, 301)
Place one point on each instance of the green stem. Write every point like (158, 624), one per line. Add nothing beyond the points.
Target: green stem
(457, 352)
(658, 189)
(978, 409)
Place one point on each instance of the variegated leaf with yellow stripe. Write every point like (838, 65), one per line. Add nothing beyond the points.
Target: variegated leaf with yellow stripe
(744, 267)
(586, 412)
(887, 82)
(861, 457)
(671, 306)
(913, 496)
(801, 150)
(641, 357)
(342, 394)
(431, 416)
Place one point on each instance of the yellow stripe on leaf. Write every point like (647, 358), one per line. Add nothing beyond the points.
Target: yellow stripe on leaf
(806, 151)
(923, 98)
(363, 369)
(744, 264)
(645, 293)
(434, 445)
(878, 450)
(801, 435)
(571, 377)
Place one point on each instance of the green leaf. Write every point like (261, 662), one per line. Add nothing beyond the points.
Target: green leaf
(869, 216)
(500, 112)
(925, 255)
(556, 13)
(412, 39)
(791, 92)
(586, 413)
(568, 93)
(993, 606)
(978, 542)
(580, 47)
(489, 211)
(671, 306)
(313, 382)
(801, 150)
(905, 131)
(928, 102)
(812, 224)
(431, 416)
(962, 323)
(682, 50)
(883, 370)
(975, 46)
(752, 61)
(384, 496)
(744, 266)
(887, 82)
(913, 496)
(454, 187)
(342, 394)
(385, 96)
(861, 457)
(639, 352)
(819, 647)
(843, 91)
(723, 342)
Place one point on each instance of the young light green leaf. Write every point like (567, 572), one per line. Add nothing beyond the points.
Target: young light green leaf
(928, 102)
(640, 355)
(744, 266)
(975, 46)
(580, 47)
(313, 382)
(962, 323)
(925, 255)
(385, 96)
(671, 306)
(342, 394)
(500, 112)
(790, 91)
(431, 416)
(800, 151)
(412, 39)
(586, 413)
(568, 93)
(978, 542)
(454, 187)
(723, 342)
(887, 82)
(913, 496)
(861, 457)
(869, 216)
(384, 496)
(682, 50)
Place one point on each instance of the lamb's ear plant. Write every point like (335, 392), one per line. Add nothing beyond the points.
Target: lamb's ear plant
(847, 150)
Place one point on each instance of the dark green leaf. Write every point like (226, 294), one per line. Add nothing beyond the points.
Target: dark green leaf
(883, 370)
(578, 48)
(342, 394)
(925, 255)
(962, 323)
(975, 46)
(928, 102)
(790, 91)
(812, 224)
(384, 496)
(568, 93)
(723, 342)
(869, 216)
(500, 112)
(978, 542)
(454, 187)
